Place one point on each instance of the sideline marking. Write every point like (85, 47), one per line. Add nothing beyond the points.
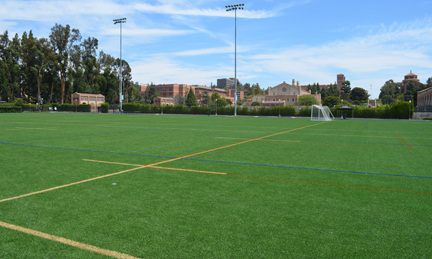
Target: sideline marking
(107, 162)
(265, 140)
(69, 184)
(235, 144)
(100, 250)
(153, 164)
(404, 141)
(67, 241)
(272, 179)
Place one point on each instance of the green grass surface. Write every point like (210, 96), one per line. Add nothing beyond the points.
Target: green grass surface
(321, 190)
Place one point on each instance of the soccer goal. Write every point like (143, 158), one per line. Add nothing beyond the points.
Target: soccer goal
(321, 113)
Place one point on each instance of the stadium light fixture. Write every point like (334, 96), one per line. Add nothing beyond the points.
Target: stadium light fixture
(234, 8)
(122, 20)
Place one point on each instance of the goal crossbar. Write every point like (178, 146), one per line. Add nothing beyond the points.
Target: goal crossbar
(321, 113)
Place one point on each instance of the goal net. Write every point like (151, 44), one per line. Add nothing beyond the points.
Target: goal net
(321, 113)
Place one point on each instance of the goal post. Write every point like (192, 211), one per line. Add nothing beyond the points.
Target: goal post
(321, 113)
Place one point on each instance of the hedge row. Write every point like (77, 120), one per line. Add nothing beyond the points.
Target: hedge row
(104, 107)
(391, 112)
(73, 108)
(9, 108)
(21, 107)
(180, 109)
(396, 111)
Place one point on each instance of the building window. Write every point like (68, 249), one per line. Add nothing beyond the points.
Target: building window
(293, 100)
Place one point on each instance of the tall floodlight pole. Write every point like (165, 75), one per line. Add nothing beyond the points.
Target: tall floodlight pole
(122, 20)
(228, 9)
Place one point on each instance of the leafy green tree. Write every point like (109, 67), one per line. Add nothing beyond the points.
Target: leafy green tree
(323, 93)
(215, 96)
(346, 90)
(333, 91)
(150, 92)
(410, 89)
(359, 94)
(203, 98)
(255, 104)
(222, 102)
(191, 99)
(307, 100)
(331, 101)
(247, 89)
(389, 91)
(62, 40)
(429, 82)
(256, 90)
(12, 68)
(36, 55)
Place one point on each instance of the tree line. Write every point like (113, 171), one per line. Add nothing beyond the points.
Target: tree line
(49, 70)
(391, 91)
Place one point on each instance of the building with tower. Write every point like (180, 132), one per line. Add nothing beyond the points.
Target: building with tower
(288, 94)
(284, 94)
(410, 77)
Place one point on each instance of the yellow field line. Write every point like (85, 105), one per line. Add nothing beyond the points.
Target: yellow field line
(100, 250)
(272, 179)
(404, 141)
(266, 140)
(107, 162)
(149, 165)
(231, 145)
(69, 184)
(67, 241)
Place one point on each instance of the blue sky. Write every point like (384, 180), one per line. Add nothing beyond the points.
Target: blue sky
(192, 42)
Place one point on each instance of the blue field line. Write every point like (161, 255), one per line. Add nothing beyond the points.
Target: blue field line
(216, 161)
(305, 168)
(85, 150)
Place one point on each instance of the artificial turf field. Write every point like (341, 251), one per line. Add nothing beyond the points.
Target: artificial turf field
(147, 186)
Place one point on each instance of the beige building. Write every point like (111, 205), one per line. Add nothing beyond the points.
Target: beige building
(286, 94)
(95, 100)
(171, 90)
(424, 97)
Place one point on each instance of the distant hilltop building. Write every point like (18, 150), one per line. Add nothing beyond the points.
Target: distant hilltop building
(340, 79)
(171, 90)
(288, 94)
(284, 94)
(225, 82)
(410, 77)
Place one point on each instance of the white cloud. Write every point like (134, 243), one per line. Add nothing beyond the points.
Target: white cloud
(163, 70)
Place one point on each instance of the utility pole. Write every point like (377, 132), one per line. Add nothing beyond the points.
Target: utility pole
(122, 20)
(231, 8)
